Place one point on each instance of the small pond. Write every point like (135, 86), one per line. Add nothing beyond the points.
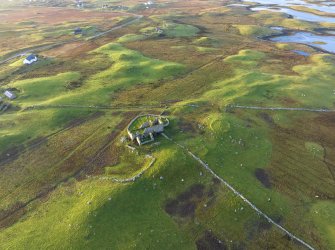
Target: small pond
(324, 42)
(300, 52)
(300, 15)
(327, 7)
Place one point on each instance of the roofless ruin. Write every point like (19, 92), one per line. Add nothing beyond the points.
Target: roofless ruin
(144, 128)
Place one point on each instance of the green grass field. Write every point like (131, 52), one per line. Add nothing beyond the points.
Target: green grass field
(59, 165)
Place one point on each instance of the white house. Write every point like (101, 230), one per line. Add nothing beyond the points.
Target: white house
(30, 59)
(9, 94)
(149, 3)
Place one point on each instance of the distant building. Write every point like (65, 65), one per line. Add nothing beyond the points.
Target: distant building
(9, 94)
(149, 3)
(143, 128)
(30, 59)
(77, 31)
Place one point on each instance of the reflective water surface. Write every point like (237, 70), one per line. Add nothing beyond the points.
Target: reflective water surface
(324, 42)
(301, 15)
(327, 7)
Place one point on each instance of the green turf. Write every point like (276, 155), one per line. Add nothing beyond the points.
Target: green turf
(315, 149)
(129, 68)
(323, 214)
(210, 67)
(130, 38)
(87, 224)
(251, 86)
(97, 213)
(254, 30)
(172, 29)
(37, 90)
(26, 126)
(284, 46)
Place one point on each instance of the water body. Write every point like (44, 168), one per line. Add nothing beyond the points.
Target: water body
(328, 3)
(237, 5)
(301, 15)
(279, 28)
(324, 42)
(300, 52)
(327, 7)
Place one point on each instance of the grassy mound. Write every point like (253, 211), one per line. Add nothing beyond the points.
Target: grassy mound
(251, 85)
(180, 30)
(284, 46)
(323, 214)
(37, 90)
(128, 68)
(171, 29)
(255, 30)
(130, 38)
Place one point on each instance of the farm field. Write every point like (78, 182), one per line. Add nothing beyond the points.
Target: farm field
(246, 162)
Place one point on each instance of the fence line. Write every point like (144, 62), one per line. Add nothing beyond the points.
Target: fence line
(131, 179)
(282, 108)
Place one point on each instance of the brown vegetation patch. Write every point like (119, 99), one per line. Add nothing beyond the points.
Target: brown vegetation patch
(181, 7)
(287, 101)
(186, 55)
(80, 150)
(185, 204)
(280, 61)
(35, 32)
(208, 241)
(10, 154)
(263, 177)
(79, 121)
(256, 228)
(96, 160)
(267, 118)
(263, 235)
(216, 181)
(294, 170)
(109, 154)
(85, 64)
(73, 84)
(54, 16)
(73, 49)
(191, 85)
(13, 153)
(187, 126)
(37, 141)
(12, 215)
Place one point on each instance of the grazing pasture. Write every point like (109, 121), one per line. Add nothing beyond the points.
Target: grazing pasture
(67, 168)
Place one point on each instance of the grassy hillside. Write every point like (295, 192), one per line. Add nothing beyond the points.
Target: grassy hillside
(71, 179)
